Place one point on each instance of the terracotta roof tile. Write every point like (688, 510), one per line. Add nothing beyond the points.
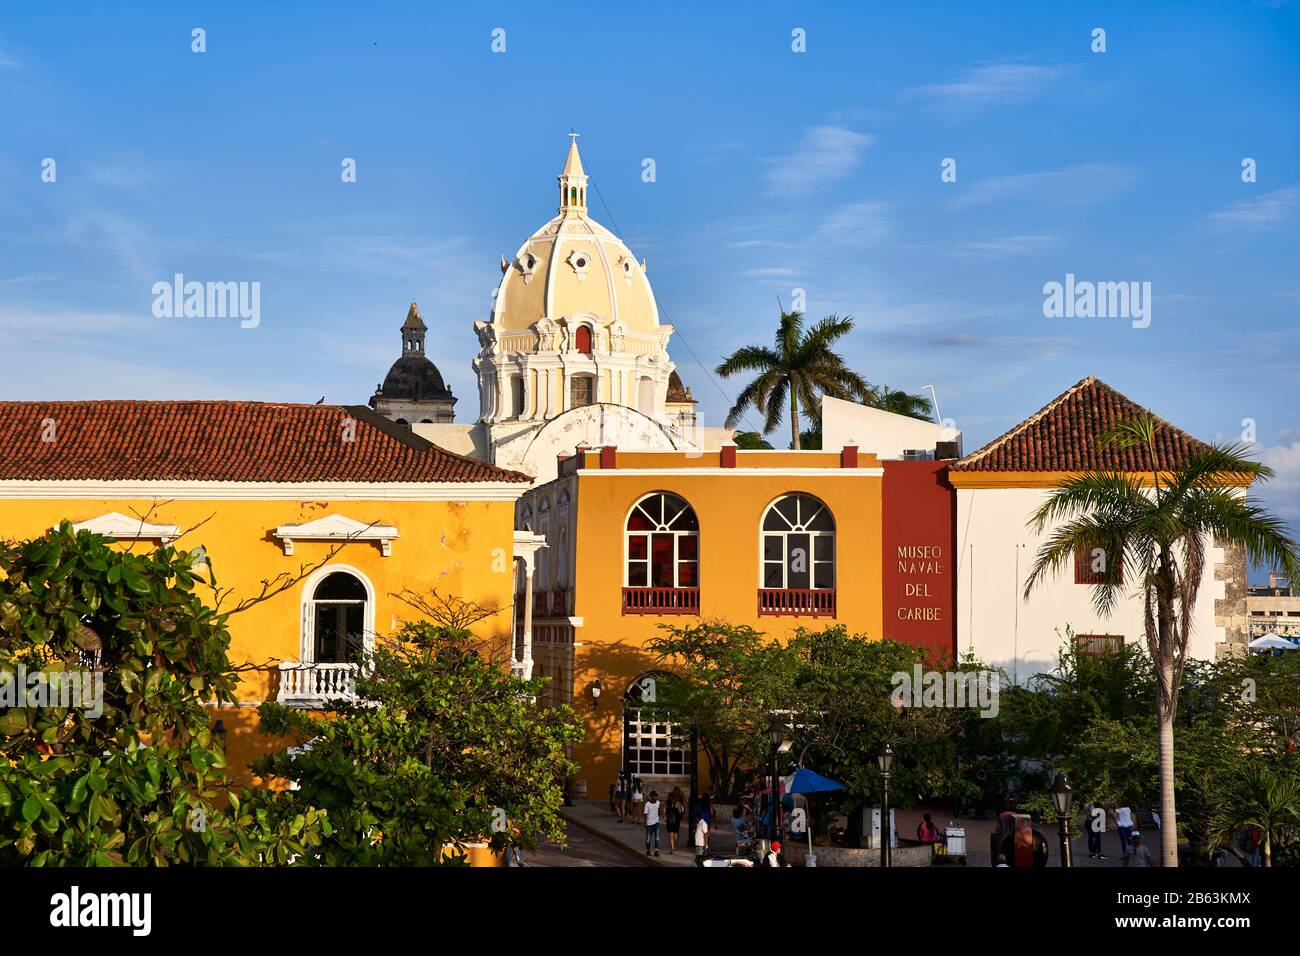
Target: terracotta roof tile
(1062, 436)
(220, 441)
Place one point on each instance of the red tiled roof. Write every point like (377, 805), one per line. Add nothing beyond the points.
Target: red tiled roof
(1062, 436)
(220, 441)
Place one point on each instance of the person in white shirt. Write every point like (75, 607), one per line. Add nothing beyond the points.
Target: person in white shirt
(652, 822)
(1124, 826)
(701, 836)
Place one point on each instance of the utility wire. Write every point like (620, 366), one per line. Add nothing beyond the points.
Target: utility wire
(707, 372)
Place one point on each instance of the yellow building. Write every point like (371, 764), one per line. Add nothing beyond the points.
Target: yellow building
(337, 504)
(771, 539)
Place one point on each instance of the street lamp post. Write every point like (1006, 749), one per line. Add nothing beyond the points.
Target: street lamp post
(885, 759)
(1061, 799)
(774, 808)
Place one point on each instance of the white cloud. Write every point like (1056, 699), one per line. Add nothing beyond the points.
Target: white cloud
(993, 84)
(1270, 210)
(1072, 185)
(855, 226)
(775, 272)
(826, 154)
(1003, 247)
(1283, 491)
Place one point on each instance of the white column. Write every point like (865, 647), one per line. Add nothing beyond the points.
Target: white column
(526, 664)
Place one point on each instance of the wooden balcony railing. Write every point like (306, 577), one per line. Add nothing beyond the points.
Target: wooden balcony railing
(661, 600)
(810, 602)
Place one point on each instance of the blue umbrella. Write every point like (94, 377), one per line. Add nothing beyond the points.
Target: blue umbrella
(808, 781)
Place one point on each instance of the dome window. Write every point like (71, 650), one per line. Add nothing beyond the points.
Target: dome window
(526, 264)
(580, 260)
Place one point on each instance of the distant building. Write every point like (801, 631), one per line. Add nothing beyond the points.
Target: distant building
(413, 391)
(1274, 609)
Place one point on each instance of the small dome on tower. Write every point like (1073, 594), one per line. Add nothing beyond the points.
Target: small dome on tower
(678, 394)
(413, 389)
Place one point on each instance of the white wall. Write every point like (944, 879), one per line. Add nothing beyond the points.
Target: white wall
(1021, 636)
(883, 434)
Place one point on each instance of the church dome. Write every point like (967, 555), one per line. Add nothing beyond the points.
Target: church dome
(574, 266)
(414, 378)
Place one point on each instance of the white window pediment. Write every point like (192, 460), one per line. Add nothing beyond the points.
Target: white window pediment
(120, 526)
(337, 528)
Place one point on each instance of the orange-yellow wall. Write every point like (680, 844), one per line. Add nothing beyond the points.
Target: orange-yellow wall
(729, 508)
(463, 549)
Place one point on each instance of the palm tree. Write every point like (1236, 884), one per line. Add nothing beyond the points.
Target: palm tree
(800, 367)
(751, 440)
(1260, 797)
(901, 403)
(1153, 534)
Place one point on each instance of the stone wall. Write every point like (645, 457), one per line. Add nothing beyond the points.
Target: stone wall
(1230, 610)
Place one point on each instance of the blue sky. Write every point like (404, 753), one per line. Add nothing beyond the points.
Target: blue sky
(775, 170)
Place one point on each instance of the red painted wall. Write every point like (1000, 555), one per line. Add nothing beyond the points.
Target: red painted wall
(919, 535)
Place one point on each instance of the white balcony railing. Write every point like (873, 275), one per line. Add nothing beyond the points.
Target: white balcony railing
(305, 684)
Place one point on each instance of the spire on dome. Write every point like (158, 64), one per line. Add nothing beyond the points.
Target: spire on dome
(413, 330)
(573, 180)
(413, 320)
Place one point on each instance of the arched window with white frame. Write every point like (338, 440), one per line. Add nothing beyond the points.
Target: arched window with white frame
(662, 557)
(798, 549)
(339, 617)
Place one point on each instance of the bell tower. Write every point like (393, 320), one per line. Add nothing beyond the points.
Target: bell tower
(573, 181)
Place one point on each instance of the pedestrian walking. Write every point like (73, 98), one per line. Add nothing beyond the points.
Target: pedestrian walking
(652, 823)
(638, 801)
(620, 794)
(1138, 855)
(701, 835)
(1095, 822)
(676, 809)
(1124, 826)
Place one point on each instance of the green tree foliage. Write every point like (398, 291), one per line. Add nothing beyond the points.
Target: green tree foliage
(832, 690)
(442, 747)
(1095, 718)
(722, 679)
(797, 369)
(142, 783)
(843, 700)
(751, 440)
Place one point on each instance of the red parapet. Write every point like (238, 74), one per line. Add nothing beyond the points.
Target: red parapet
(809, 602)
(661, 600)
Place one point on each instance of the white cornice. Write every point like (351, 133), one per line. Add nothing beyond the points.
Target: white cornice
(124, 527)
(337, 527)
(266, 490)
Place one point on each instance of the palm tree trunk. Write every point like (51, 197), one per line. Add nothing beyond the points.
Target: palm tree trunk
(1168, 817)
(794, 418)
